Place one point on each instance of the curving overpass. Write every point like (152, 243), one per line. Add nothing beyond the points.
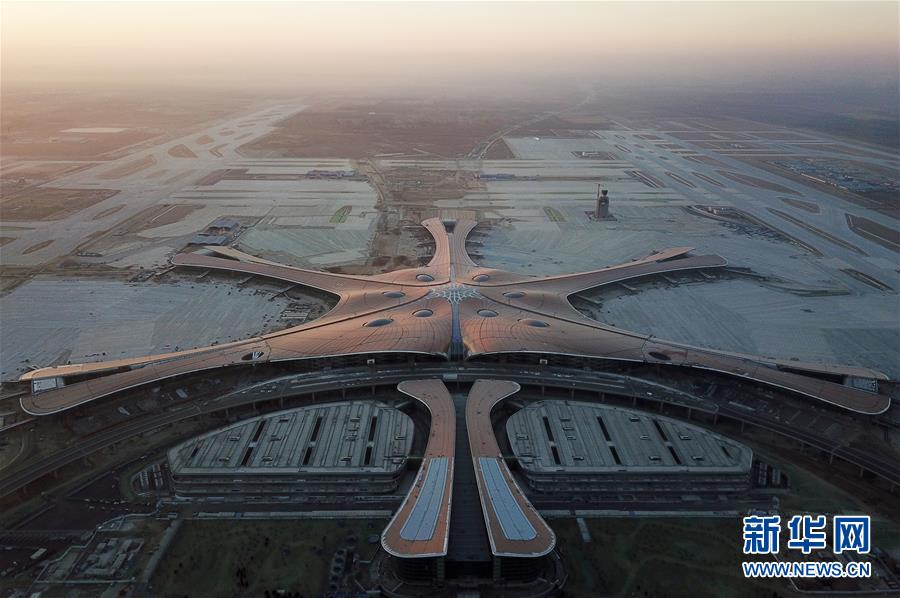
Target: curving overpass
(564, 378)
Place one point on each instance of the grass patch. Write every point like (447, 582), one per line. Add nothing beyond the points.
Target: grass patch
(657, 557)
(553, 214)
(294, 555)
(340, 216)
(808, 492)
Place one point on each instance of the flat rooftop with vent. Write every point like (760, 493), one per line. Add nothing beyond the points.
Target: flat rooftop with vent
(566, 446)
(322, 449)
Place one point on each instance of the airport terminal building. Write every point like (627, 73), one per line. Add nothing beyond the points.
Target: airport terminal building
(337, 448)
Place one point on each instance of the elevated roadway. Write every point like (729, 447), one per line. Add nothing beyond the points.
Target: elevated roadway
(570, 379)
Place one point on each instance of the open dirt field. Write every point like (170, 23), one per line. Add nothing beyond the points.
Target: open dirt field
(499, 151)
(850, 150)
(59, 126)
(225, 558)
(75, 146)
(38, 246)
(752, 181)
(703, 136)
(108, 212)
(39, 172)
(44, 203)
(886, 205)
(411, 185)
(817, 231)
(178, 177)
(378, 129)
(701, 159)
(128, 169)
(589, 121)
(159, 215)
(181, 151)
(875, 231)
(806, 206)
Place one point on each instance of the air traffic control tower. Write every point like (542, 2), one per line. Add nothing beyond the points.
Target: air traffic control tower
(601, 212)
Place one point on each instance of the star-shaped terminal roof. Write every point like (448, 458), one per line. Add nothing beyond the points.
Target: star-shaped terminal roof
(454, 308)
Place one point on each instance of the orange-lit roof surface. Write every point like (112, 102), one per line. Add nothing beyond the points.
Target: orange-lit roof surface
(514, 527)
(532, 315)
(421, 526)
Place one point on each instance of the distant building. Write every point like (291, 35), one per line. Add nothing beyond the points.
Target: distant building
(204, 239)
(567, 447)
(336, 448)
(330, 174)
(502, 176)
(223, 225)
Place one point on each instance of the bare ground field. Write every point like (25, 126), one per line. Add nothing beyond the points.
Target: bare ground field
(213, 177)
(726, 146)
(849, 150)
(71, 146)
(179, 176)
(250, 558)
(875, 231)
(426, 186)
(702, 159)
(181, 151)
(886, 205)
(36, 173)
(38, 246)
(47, 203)
(499, 150)
(33, 121)
(752, 181)
(108, 212)
(159, 215)
(817, 231)
(154, 216)
(128, 169)
(589, 121)
(156, 174)
(708, 179)
(443, 129)
(710, 137)
(729, 125)
(558, 126)
(808, 206)
(784, 136)
(379, 264)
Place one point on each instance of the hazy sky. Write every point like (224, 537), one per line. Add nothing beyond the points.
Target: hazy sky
(306, 46)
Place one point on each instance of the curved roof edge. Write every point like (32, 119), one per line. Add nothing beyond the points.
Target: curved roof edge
(882, 405)
(514, 527)
(421, 526)
(29, 404)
